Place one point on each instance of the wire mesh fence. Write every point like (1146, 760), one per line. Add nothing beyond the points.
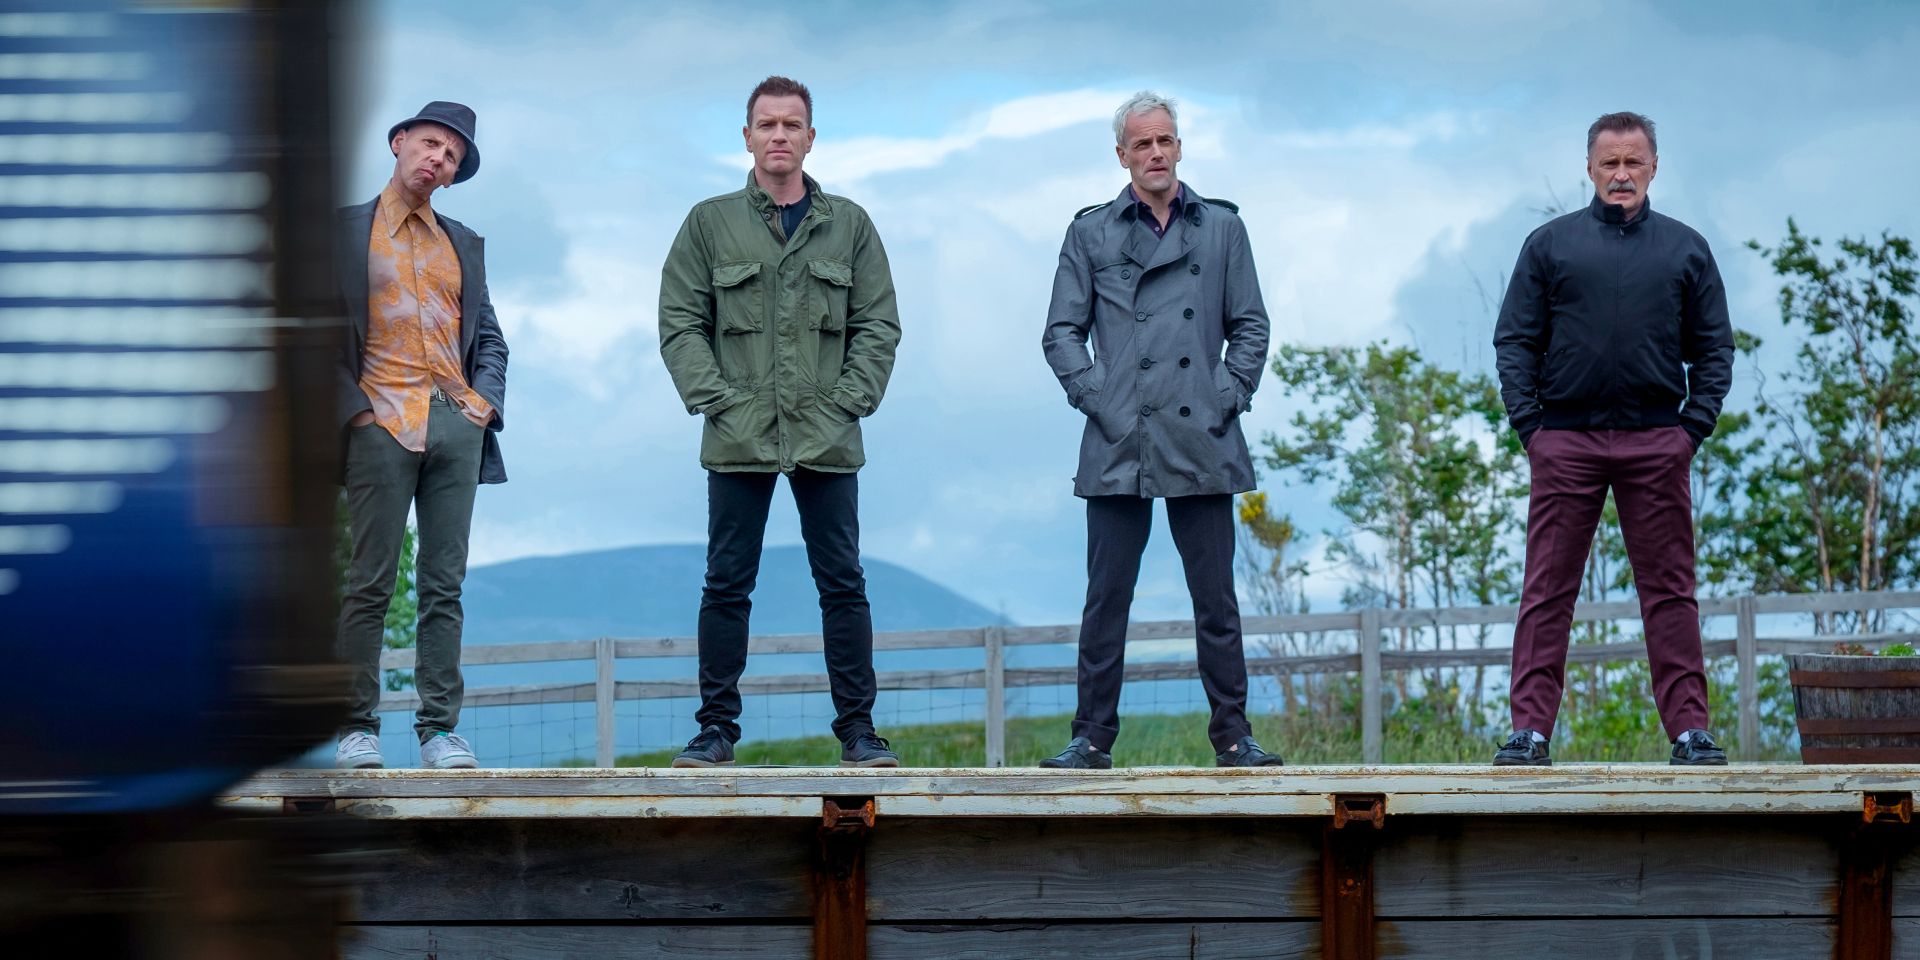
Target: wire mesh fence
(1435, 680)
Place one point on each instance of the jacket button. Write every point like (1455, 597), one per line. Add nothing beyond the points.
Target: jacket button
(1126, 274)
(1186, 411)
(1188, 313)
(1194, 269)
(1146, 362)
(1141, 316)
(1146, 411)
(764, 215)
(1186, 362)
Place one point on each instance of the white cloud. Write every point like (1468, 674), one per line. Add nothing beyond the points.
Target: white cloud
(858, 158)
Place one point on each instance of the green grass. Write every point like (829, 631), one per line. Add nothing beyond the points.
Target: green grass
(1146, 740)
(1155, 740)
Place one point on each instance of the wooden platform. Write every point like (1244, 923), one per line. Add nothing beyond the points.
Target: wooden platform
(1133, 792)
(1578, 862)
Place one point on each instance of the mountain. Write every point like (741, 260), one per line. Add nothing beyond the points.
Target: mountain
(654, 591)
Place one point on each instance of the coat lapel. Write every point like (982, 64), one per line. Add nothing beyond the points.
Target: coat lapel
(1180, 238)
(356, 228)
(466, 250)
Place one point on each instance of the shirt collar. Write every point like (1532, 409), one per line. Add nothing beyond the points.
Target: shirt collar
(394, 208)
(1136, 206)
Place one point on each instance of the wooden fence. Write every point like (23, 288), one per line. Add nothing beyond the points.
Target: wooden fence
(1371, 660)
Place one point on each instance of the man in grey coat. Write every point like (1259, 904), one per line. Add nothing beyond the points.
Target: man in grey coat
(1159, 280)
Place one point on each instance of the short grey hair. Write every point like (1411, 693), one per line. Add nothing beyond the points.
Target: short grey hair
(1146, 101)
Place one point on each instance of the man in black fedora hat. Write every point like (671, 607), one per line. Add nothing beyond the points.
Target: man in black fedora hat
(422, 386)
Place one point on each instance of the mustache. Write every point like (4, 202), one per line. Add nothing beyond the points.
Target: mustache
(1621, 186)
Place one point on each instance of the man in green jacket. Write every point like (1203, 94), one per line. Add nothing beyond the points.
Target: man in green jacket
(778, 324)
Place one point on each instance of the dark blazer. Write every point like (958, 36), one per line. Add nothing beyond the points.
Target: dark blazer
(483, 349)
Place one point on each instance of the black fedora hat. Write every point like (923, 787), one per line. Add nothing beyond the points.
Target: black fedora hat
(457, 117)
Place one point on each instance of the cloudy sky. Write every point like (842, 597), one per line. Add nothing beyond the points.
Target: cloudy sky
(1388, 159)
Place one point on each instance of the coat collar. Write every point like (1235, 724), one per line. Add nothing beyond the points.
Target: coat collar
(1615, 215)
(1182, 234)
(763, 201)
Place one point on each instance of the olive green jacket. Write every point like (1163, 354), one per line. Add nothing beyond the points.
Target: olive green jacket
(783, 344)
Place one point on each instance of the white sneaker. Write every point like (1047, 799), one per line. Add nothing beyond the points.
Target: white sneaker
(358, 751)
(447, 751)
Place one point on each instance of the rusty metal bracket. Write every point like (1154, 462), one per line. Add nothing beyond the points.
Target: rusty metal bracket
(840, 878)
(836, 814)
(1359, 808)
(307, 805)
(1889, 807)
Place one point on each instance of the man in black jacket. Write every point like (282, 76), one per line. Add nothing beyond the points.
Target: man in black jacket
(1614, 353)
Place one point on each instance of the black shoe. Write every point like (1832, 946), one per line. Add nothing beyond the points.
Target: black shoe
(867, 749)
(709, 748)
(1522, 750)
(1246, 753)
(1080, 754)
(1697, 749)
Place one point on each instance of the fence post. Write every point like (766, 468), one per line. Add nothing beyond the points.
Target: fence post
(603, 702)
(1745, 651)
(1372, 746)
(996, 682)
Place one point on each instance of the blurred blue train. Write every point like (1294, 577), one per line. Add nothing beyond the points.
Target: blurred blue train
(166, 490)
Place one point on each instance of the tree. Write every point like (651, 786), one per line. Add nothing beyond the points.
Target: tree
(402, 624)
(1423, 467)
(1830, 502)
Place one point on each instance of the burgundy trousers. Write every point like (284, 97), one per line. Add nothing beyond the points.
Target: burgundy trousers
(1649, 471)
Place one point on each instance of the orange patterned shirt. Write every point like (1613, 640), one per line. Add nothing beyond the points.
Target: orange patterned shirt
(413, 322)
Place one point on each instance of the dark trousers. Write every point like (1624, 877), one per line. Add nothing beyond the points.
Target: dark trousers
(1648, 471)
(1117, 530)
(830, 525)
(383, 480)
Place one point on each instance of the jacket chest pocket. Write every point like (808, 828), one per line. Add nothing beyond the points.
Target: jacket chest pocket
(738, 296)
(832, 281)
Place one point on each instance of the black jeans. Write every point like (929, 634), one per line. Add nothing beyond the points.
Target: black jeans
(830, 525)
(1117, 530)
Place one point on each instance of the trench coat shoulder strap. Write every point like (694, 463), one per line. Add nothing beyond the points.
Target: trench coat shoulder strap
(1086, 210)
(1229, 204)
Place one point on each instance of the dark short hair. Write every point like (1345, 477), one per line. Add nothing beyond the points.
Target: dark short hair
(1622, 122)
(780, 87)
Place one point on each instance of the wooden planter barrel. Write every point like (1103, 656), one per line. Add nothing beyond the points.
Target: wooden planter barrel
(1856, 709)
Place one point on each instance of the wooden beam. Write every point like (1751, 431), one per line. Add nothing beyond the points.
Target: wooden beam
(996, 684)
(1372, 735)
(1864, 926)
(1746, 652)
(603, 690)
(840, 878)
(1346, 891)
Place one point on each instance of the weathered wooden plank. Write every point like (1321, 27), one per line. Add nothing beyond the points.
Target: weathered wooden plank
(1281, 940)
(1906, 937)
(522, 694)
(1056, 805)
(1495, 784)
(492, 653)
(560, 942)
(969, 870)
(604, 688)
(492, 871)
(1837, 602)
(1906, 878)
(996, 684)
(1728, 866)
(1660, 938)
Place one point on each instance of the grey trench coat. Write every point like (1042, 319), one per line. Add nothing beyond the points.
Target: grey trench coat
(1179, 340)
